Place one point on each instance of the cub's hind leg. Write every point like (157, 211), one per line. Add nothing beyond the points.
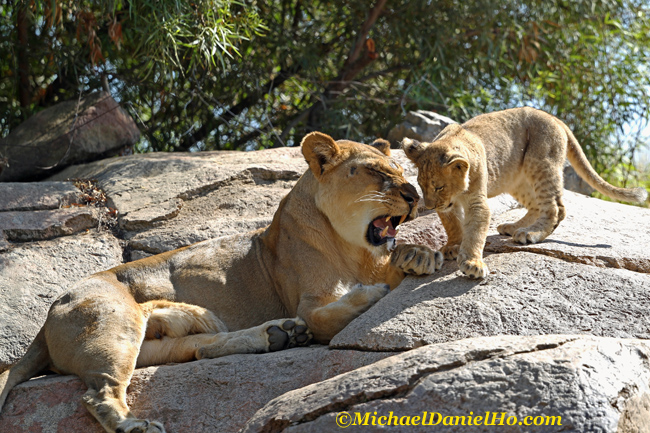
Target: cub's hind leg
(524, 193)
(548, 184)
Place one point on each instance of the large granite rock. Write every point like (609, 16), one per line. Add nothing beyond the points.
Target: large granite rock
(568, 284)
(587, 384)
(67, 133)
(524, 294)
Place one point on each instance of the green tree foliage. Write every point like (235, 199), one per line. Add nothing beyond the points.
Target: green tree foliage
(227, 75)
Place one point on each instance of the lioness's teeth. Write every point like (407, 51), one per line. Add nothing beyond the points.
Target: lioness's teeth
(387, 218)
(383, 233)
(391, 244)
(401, 220)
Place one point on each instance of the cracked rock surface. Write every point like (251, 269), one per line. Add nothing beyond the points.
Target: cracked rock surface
(590, 383)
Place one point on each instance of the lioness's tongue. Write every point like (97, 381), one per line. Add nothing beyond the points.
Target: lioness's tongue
(381, 223)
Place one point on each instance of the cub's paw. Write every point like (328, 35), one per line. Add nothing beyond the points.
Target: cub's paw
(288, 333)
(524, 236)
(474, 268)
(417, 259)
(131, 425)
(507, 229)
(450, 251)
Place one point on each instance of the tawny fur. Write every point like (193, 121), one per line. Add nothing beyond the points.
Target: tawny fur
(313, 264)
(520, 151)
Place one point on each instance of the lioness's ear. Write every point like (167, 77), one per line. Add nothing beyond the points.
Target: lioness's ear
(413, 149)
(382, 145)
(320, 151)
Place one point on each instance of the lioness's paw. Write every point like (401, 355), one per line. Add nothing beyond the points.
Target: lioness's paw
(450, 251)
(366, 296)
(139, 426)
(474, 268)
(417, 259)
(288, 333)
(524, 236)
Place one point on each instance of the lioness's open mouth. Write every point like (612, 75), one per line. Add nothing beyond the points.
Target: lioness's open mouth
(384, 229)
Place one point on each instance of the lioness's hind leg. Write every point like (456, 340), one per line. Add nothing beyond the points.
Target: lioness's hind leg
(95, 332)
(271, 336)
(177, 319)
(106, 400)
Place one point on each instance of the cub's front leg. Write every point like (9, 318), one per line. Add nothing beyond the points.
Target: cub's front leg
(475, 229)
(416, 259)
(454, 228)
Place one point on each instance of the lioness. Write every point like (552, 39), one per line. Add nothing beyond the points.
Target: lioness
(328, 255)
(520, 151)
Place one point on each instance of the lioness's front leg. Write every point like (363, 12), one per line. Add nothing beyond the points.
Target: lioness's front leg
(475, 229)
(416, 259)
(326, 316)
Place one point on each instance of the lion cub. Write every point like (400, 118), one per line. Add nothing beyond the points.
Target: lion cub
(520, 151)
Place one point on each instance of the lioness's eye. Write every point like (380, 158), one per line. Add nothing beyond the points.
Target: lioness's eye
(377, 173)
(440, 188)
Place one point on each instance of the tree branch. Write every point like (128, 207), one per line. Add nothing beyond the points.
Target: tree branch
(363, 34)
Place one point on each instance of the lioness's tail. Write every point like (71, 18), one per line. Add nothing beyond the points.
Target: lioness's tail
(36, 359)
(579, 162)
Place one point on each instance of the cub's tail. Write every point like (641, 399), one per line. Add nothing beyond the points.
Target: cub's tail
(579, 162)
(35, 360)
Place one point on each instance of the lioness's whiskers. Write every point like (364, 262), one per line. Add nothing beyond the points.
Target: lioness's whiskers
(378, 197)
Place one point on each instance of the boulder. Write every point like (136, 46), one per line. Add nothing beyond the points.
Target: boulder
(419, 125)
(46, 224)
(21, 196)
(505, 383)
(67, 133)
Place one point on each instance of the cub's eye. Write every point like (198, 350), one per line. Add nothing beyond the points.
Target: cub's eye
(440, 188)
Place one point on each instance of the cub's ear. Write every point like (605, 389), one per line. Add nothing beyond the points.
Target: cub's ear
(413, 149)
(382, 145)
(320, 151)
(458, 164)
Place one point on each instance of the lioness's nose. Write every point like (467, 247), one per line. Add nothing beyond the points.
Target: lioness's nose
(410, 194)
